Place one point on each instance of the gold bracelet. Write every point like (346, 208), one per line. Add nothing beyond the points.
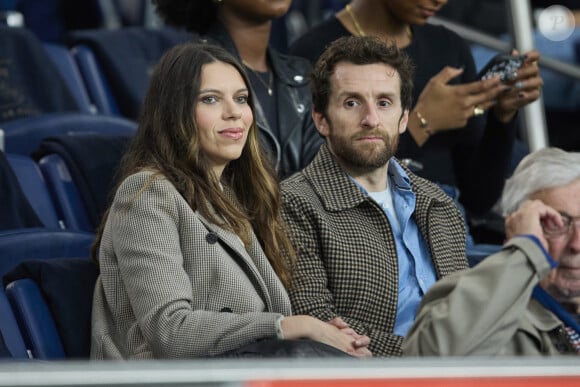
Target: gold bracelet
(422, 120)
(423, 123)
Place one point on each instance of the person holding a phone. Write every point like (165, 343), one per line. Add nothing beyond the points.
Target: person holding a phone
(461, 130)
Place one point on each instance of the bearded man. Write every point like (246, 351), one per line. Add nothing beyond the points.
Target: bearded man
(372, 237)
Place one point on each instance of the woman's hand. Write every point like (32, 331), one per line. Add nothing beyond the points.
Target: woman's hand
(446, 106)
(360, 342)
(525, 88)
(295, 327)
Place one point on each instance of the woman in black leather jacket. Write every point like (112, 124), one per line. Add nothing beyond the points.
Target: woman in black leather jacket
(279, 82)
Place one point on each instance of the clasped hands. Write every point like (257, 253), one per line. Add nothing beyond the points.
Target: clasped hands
(335, 333)
(449, 106)
(359, 343)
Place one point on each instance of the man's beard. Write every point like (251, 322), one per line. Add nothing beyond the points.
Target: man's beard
(366, 156)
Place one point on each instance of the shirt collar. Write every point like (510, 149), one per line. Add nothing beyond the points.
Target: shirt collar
(338, 192)
(397, 176)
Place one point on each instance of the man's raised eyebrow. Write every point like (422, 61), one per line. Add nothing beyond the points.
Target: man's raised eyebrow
(388, 94)
(348, 93)
(355, 94)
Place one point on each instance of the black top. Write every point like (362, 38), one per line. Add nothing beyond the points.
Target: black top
(261, 81)
(475, 159)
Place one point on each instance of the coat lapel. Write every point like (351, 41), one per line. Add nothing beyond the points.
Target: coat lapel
(335, 189)
(252, 265)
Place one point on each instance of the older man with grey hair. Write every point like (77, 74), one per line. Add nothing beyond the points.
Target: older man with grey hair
(524, 300)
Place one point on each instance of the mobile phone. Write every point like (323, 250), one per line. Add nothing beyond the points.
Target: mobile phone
(503, 65)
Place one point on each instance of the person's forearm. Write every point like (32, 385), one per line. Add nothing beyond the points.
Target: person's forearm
(419, 127)
(478, 311)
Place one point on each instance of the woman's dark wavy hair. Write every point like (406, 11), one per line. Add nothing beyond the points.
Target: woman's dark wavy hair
(168, 142)
(193, 15)
(359, 50)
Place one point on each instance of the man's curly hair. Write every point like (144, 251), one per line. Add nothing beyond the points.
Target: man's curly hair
(193, 15)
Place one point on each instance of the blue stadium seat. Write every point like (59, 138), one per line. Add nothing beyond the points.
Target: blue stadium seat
(10, 330)
(23, 136)
(29, 243)
(52, 302)
(35, 320)
(34, 187)
(67, 199)
(69, 71)
(16, 210)
(116, 64)
(21, 245)
(96, 84)
(80, 173)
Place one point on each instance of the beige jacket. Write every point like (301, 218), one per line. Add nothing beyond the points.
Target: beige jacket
(488, 309)
(173, 285)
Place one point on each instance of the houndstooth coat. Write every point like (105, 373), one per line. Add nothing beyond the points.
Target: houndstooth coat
(347, 262)
(173, 285)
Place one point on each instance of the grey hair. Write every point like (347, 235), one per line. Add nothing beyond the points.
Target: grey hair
(542, 169)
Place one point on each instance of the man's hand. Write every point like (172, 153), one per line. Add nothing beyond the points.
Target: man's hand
(528, 219)
(360, 342)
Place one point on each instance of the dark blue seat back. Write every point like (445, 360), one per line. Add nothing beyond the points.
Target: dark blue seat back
(66, 197)
(94, 80)
(67, 67)
(10, 330)
(30, 243)
(35, 320)
(24, 136)
(21, 245)
(15, 209)
(52, 300)
(34, 188)
(125, 60)
(92, 161)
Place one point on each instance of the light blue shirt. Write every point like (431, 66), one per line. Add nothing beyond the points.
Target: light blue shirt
(416, 270)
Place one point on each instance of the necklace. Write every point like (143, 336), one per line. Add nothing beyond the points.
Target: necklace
(359, 29)
(268, 85)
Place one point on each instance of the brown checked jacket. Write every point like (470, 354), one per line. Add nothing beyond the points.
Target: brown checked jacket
(347, 260)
